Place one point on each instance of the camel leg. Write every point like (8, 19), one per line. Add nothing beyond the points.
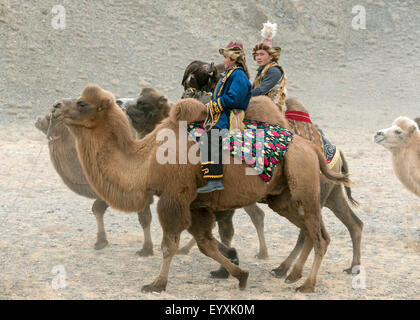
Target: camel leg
(169, 246)
(229, 253)
(296, 273)
(226, 231)
(98, 208)
(201, 228)
(317, 233)
(225, 224)
(186, 249)
(281, 270)
(168, 209)
(257, 218)
(338, 204)
(145, 220)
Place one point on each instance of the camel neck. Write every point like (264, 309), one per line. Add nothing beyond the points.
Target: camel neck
(116, 166)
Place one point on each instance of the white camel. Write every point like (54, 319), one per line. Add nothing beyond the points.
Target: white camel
(403, 140)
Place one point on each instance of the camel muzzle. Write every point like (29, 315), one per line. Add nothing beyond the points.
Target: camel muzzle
(379, 137)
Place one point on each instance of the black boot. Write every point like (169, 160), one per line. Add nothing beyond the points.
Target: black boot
(212, 185)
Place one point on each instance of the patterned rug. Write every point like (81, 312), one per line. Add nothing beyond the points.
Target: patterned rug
(330, 151)
(262, 146)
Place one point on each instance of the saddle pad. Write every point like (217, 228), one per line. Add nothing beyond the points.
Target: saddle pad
(262, 146)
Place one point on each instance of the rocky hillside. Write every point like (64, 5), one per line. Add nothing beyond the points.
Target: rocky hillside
(127, 45)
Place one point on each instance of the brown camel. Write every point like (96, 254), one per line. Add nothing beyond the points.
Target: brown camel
(403, 140)
(151, 106)
(332, 197)
(124, 172)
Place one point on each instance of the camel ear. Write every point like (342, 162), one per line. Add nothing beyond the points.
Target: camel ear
(106, 103)
(412, 129)
(162, 100)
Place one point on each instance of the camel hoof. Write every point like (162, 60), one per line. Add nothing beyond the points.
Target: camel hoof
(279, 272)
(145, 252)
(306, 289)
(292, 279)
(261, 255)
(243, 278)
(220, 273)
(100, 244)
(156, 286)
(350, 270)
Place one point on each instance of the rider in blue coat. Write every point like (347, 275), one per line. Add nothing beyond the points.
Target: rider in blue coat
(233, 91)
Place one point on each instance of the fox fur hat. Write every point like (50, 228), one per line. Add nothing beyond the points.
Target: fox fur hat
(268, 33)
(235, 51)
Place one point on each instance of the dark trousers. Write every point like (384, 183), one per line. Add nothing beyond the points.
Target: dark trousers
(211, 154)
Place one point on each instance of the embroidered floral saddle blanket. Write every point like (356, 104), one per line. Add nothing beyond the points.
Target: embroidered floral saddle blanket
(261, 145)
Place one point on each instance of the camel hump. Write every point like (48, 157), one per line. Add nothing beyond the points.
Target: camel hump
(97, 96)
(417, 120)
(295, 105)
(262, 108)
(189, 110)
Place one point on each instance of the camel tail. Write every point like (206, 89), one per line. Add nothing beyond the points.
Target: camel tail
(345, 170)
(335, 177)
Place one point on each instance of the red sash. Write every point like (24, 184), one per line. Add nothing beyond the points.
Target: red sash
(298, 115)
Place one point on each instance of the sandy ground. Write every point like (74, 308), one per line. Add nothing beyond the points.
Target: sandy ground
(44, 225)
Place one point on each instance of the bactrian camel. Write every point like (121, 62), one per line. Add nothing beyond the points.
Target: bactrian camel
(332, 197)
(124, 172)
(144, 113)
(403, 140)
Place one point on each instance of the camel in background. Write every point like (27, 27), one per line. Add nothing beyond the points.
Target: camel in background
(403, 140)
(144, 113)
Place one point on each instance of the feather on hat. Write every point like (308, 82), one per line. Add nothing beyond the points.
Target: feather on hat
(268, 32)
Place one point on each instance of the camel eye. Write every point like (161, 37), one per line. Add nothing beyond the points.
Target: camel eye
(398, 131)
(81, 104)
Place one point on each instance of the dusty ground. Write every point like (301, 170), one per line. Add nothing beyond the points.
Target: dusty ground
(43, 225)
(353, 83)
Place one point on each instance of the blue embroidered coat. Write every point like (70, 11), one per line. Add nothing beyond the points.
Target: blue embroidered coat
(233, 91)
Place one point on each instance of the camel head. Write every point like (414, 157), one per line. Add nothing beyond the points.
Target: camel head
(88, 110)
(52, 125)
(150, 108)
(398, 135)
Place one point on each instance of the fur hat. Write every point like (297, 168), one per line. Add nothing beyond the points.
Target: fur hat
(235, 51)
(268, 33)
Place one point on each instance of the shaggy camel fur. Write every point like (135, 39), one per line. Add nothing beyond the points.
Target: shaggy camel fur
(124, 171)
(403, 140)
(332, 197)
(63, 154)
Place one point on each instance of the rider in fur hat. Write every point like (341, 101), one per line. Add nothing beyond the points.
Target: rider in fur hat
(271, 78)
(232, 94)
